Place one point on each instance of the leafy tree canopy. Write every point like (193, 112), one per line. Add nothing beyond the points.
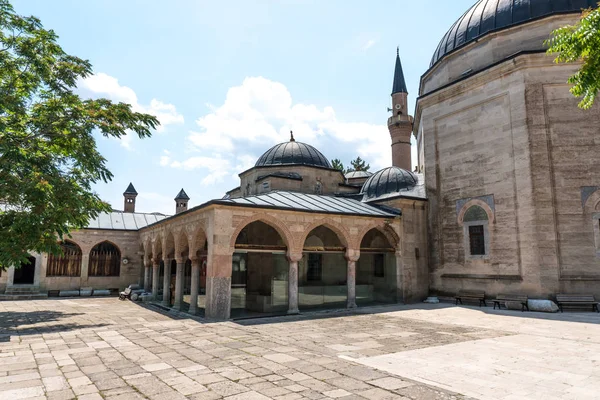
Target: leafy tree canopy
(48, 155)
(359, 165)
(581, 43)
(337, 164)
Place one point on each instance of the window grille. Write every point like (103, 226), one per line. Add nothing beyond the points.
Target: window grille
(477, 240)
(66, 264)
(105, 260)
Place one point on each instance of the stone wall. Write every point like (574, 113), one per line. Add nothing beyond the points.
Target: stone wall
(513, 140)
(329, 179)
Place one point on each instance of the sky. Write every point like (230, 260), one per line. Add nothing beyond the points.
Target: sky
(228, 80)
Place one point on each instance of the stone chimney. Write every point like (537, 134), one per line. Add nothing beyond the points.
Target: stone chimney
(129, 195)
(181, 202)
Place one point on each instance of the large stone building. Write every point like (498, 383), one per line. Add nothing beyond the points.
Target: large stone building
(511, 163)
(506, 158)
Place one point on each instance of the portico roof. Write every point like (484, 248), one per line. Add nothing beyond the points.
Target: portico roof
(312, 203)
(118, 220)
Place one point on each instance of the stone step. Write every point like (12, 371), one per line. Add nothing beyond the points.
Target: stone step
(29, 296)
(22, 289)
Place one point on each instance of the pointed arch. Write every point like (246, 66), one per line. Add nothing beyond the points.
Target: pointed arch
(273, 222)
(168, 244)
(389, 232)
(342, 234)
(66, 264)
(475, 203)
(157, 246)
(105, 260)
(197, 239)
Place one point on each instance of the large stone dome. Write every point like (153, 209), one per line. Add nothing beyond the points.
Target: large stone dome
(493, 15)
(293, 152)
(388, 181)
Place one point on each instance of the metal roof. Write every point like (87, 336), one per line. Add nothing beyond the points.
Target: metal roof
(130, 189)
(399, 82)
(493, 15)
(311, 203)
(119, 220)
(292, 152)
(182, 195)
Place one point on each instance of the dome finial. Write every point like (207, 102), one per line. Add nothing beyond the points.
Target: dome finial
(398, 51)
(292, 136)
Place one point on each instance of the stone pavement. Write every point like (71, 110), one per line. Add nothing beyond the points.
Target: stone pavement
(103, 348)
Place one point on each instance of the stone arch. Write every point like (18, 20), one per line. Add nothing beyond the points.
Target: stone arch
(197, 239)
(592, 203)
(339, 230)
(105, 259)
(182, 245)
(387, 231)
(479, 203)
(273, 222)
(157, 245)
(68, 263)
(168, 243)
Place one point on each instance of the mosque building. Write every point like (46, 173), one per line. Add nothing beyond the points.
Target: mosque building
(505, 197)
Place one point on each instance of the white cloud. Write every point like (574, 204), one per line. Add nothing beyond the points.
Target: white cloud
(368, 44)
(104, 85)
(260, 113)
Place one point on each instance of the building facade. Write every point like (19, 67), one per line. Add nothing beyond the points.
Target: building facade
(511, 162)
(505, 198)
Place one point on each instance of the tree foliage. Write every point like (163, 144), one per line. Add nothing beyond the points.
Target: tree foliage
(581, 43)
(337, 164)
(48, 155)
(359, 165)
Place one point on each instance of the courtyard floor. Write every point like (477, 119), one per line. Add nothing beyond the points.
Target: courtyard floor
(102, 348)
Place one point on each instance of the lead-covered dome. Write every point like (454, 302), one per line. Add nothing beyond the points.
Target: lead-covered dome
(293, 152)
(493, 15)
(390, 180)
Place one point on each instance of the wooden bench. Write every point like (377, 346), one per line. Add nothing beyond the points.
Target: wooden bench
(471, 295)
(517, 298)
(125, 294)
(576, 300)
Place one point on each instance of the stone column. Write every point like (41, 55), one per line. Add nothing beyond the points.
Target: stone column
(155, 277)
(179, 284)
(293, 283)
(147, 274)
(85, 267)
(167, 283)
(194, 288)
(352, 257)
(399, 277)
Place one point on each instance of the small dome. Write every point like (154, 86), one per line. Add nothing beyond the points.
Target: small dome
(387, 181)
(494, 15)
(358, 174)
(293, 152)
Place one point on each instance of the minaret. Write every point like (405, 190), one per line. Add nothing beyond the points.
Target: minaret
(400, 123)
(130, 195)
(181, 202)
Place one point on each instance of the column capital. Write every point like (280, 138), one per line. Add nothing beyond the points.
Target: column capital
(156, 262)
(352, 255)
(179, 260)
(294, 257)
(398, 253)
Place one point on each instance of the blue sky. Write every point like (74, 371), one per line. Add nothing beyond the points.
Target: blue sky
(229, 79)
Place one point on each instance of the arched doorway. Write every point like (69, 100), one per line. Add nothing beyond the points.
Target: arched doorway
(322, 271)
(105, 260)
(25, 273)
(259, 272)
(376, 276)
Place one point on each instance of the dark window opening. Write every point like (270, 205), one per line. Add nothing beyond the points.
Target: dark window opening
(24, 275)
(105, 260)
(379, 266)
(477, 240)
(68, 263)
(315, 267)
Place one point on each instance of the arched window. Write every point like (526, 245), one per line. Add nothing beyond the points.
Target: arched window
(66, 264)
(475, 223)
(105, 260)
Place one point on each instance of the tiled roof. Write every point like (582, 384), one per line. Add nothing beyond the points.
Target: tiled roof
(119, 220)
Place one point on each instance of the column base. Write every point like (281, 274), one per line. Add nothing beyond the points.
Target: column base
(293, 312)
(351, 305)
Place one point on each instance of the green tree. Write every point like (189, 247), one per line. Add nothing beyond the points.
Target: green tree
(580, 43)
(337, 164)
(48, 155)
(359, 165)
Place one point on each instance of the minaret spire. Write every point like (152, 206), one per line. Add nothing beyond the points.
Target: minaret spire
(399, 82)
(400, 123)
